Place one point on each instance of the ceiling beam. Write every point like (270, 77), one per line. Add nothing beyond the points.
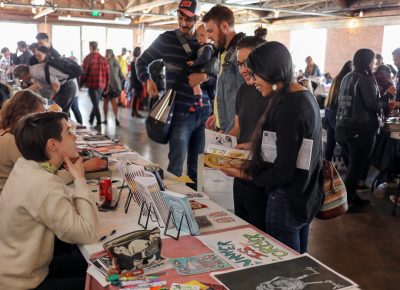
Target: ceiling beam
(148, 6)
(309, 5)
(130, 4)
(273, 9)
(88, 3)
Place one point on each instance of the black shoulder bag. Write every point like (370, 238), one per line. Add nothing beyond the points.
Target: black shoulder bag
(158, 123)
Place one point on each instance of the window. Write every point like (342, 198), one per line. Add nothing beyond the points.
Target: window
(25, 32)
(390, 42)
(93, 33)
(72, 47)
(150, 35)
(308, 42)
(248, 29)
(119, 38)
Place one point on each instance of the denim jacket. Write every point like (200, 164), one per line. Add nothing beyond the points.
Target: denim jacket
(228, 83)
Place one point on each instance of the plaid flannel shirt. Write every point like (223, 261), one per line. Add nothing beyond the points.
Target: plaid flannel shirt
(96, 73)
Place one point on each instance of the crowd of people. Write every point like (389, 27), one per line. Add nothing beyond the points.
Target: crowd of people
(225, 81)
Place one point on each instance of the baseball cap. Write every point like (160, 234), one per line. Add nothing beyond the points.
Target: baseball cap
(189, 7)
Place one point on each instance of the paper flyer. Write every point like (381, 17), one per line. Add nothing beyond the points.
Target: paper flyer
(246, 247)
(199, 264)
(269, 152)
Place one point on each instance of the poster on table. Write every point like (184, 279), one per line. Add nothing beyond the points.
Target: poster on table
(246, 247)
(302, 272)
(204, 263)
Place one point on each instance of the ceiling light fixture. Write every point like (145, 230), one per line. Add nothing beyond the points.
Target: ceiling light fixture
(33, 9)
(117, 20)
(102, 1)
(361, 13)
(2, 4)
(44, 12)
(38, 2)
(168, 22)
(276, 13)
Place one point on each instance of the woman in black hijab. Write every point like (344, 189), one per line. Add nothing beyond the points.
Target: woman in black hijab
(291, 180)
(357, 121)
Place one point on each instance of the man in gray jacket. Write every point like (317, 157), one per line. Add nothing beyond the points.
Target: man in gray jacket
(221, 29)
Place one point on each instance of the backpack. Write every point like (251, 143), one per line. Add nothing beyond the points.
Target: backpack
(64, 65)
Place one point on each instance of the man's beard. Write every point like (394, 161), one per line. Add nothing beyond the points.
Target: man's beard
(221, 40)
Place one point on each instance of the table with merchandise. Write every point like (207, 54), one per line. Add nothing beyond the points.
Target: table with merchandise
(180, 239)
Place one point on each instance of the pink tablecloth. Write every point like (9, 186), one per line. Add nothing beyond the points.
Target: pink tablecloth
(186, 246)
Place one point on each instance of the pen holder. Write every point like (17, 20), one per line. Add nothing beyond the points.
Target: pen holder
(136, 250)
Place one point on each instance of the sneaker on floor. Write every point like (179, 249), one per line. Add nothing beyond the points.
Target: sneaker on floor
(379, 192)
(104, 122)
(393, 199)
(117, 122)
(362, 188)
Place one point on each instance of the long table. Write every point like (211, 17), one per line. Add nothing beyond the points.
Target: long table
(186, 246)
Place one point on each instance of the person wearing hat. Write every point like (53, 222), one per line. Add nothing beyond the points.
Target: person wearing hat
(187, 135)
(294, 193)
(220, 26)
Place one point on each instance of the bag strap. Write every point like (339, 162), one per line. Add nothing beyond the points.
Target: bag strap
(184, 43)
(182, 39)
(47, 72)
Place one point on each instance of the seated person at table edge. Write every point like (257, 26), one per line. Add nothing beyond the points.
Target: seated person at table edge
(20, 104)
(36, 207)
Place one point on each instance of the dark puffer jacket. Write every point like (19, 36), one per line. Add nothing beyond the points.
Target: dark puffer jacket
(360, 103)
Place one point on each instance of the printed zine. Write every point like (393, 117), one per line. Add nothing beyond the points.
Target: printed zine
(220, 151)
(246, 247)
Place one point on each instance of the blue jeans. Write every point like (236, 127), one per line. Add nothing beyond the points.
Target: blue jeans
(186, 137)
(75, 109)
(283, 225)
(250, 202)
(95, 95)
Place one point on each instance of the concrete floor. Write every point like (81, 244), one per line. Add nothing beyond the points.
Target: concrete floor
(365, 247)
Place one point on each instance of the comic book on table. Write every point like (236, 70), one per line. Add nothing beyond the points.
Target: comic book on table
(180, 206)
(221, 152)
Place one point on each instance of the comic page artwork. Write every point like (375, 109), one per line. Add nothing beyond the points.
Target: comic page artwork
(246, 247)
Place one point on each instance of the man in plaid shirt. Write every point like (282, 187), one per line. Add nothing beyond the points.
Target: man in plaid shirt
(96, 77)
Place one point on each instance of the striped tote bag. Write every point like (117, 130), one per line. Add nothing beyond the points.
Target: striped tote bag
(335, 194)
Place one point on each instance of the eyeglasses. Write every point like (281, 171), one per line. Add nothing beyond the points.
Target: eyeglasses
(241, 65)
(252, 75)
